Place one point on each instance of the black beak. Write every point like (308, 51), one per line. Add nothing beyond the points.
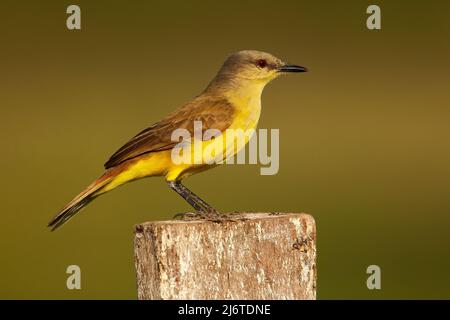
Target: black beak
(292, 68)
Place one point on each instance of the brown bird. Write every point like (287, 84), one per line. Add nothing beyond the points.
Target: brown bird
(232, 101)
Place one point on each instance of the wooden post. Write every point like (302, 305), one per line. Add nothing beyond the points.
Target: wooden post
(266, 256)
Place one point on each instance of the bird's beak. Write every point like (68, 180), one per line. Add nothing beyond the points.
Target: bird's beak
(291, 68)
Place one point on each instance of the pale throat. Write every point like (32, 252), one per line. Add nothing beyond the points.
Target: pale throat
(245, 97)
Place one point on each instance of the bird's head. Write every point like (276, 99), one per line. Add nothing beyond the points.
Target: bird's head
(256, 65)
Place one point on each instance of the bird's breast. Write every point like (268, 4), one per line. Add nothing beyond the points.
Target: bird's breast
(247, 112)
(245, 120)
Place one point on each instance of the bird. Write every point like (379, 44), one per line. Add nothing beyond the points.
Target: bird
(232, 100)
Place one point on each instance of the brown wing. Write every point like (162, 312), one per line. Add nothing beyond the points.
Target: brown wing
(214, 113)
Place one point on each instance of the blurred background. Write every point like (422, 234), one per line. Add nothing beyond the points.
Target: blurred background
(365, 135)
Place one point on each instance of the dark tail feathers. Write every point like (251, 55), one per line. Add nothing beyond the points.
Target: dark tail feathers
(79, 201)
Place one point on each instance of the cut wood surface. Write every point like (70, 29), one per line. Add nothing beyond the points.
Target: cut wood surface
(265, 256)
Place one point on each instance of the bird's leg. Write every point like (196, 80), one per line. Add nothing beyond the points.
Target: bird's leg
(195, 201)
(207, 208)
(186, 194)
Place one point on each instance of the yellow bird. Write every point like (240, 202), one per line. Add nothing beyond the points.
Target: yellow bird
(232, 101)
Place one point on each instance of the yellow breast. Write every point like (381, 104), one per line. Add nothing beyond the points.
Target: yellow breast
(247, 110)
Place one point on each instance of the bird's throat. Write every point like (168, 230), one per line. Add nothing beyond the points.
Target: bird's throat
(246, 100)
(245, 97)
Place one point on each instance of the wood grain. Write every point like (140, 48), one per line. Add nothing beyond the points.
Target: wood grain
(267, 256)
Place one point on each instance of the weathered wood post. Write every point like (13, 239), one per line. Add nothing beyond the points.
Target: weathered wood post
(266, 256)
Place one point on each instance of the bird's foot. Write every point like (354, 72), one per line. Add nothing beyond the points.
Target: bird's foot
(187, 216)
(199, 215)
(212, 215)
(215, 216)
(233, 216)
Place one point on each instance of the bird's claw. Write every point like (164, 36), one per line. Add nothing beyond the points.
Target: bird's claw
(213, 216)
(184, 215)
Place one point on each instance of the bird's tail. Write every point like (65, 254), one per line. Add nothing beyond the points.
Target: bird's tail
(81, 200)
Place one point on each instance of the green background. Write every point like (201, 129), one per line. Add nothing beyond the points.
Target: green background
(365, 135)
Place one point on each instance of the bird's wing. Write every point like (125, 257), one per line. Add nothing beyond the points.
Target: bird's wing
(214, 113)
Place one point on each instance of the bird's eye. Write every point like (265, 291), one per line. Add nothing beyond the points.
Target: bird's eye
(261, 63)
